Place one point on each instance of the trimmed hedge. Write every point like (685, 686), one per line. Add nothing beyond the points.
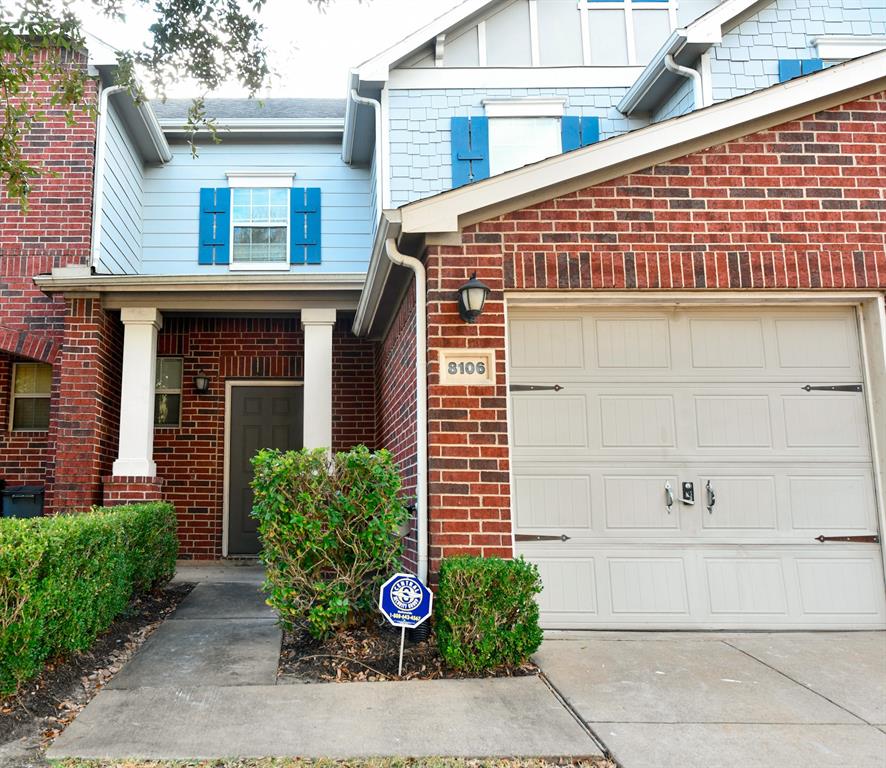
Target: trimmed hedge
(485, 612)
(329, 532)
(64, 579)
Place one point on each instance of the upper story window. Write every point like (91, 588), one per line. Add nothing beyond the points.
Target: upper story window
(260, 224)
(625, 32)
(31, 391)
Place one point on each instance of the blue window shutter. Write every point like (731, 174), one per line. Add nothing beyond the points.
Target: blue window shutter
(304, 231)
(808, 66)
(470, 149)
(788, 69)
(215, 225)
(590, 130)
(570, 132)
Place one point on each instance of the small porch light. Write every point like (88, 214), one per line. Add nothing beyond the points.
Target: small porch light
(201, 383)
(471, 298)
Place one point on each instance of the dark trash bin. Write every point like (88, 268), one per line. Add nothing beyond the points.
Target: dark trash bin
(22, 501)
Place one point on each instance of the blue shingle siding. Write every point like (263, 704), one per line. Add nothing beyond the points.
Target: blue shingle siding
(172, 203)
(122, 202)
(419, 129)
(748, 58)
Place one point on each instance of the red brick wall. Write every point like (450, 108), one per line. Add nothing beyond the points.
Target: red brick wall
(190, 458)
(396, 404)
(53, 232)
(800, 206)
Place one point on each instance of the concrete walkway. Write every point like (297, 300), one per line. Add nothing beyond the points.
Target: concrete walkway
(709, 700)
(203, 686)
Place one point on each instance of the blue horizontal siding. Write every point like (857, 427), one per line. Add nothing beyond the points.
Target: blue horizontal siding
(171, 203)
(121, 227)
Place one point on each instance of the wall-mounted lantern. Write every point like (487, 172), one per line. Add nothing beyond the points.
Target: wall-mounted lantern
(471, 298)
(201, 383)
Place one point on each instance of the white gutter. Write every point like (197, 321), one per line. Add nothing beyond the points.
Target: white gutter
(688, 72)
(98, 190)
(379, 154)
(421, 405)
(155, 132)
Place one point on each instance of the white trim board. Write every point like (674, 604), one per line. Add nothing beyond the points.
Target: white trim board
(229, 385)
(514, 77)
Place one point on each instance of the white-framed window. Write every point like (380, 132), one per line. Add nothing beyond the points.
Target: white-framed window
(522, 131)
(168, 392)
(628, 32)
(260, 228)
(31, 392)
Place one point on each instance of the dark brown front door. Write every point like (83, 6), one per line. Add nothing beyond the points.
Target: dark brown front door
(261, 417)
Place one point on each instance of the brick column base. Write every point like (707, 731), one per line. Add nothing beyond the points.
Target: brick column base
(129, 490)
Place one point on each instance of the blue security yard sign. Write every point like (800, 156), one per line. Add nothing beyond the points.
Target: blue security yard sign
(405, 601)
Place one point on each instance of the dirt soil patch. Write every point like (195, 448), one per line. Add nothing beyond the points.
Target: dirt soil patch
(43, 707)
(369, 653)
(377, 762)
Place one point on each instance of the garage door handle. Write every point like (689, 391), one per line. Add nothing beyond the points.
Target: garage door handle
(872, 539)
(712, 497)
(534, 537)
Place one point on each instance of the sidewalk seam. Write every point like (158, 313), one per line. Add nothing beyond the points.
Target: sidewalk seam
(564, 702)
(785, 675)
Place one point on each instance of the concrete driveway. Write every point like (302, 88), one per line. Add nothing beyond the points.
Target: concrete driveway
(687, 700)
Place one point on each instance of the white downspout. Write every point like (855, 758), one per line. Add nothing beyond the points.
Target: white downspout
(98, 189)
(692, 74)
(379, 165)
(421, 406)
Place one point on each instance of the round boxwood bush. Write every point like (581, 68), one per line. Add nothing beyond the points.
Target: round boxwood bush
(485, 613)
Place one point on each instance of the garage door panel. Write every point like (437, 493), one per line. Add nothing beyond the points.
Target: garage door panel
(818, 343)
(550, 421)
(847, 585)
(551, 343)
(732, 421)
(639, 502)
(826, 421)
(570, 586)
(746, 503)
(637, 421)
(647, 585)
(746, 347)
(553, 501)
(746, 586)
(831, 502)
(632, 343)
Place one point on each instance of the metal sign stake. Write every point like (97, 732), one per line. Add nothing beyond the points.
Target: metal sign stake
(402, 641)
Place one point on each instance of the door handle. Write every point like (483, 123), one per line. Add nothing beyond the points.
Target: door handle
(712, 497)
(669, 496)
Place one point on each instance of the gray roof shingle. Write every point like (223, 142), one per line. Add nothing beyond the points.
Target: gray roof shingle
(253, 109)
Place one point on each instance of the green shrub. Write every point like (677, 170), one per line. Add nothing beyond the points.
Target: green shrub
(329, 532)
(64, 579)
(485, 612)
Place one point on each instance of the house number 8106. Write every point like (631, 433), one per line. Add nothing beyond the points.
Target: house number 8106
(479, 368)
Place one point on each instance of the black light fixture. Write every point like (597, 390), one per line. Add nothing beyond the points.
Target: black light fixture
(201, 383)
(471, 298)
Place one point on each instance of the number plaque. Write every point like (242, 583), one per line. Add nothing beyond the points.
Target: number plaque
(471, 367)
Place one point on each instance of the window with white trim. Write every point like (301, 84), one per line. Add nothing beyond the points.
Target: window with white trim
(627, 32)
(260, 227)
(31, 392)
(518, 141)
(168, 392)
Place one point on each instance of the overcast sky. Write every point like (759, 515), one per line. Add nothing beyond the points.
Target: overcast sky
(312, 50)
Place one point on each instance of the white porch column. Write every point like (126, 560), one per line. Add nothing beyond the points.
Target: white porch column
(317, 324)
(136, 456)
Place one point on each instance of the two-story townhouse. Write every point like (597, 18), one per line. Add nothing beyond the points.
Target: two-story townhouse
(672, 400)
(674, 385)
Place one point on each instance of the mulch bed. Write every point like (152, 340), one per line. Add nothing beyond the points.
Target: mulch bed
(369, 653)
(47, 703)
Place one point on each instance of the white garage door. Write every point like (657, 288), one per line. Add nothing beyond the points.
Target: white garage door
(759, 410)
